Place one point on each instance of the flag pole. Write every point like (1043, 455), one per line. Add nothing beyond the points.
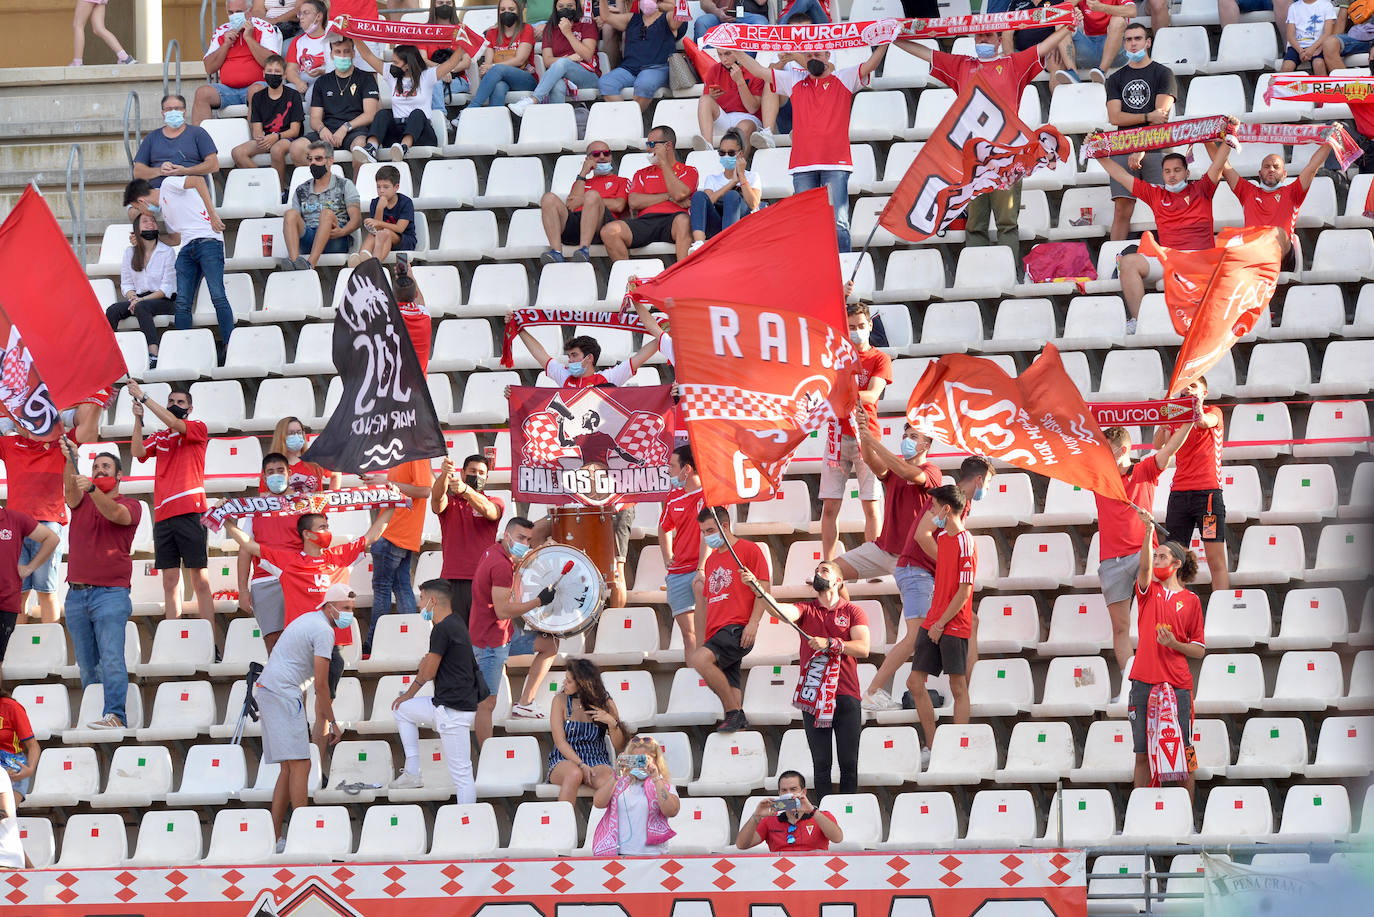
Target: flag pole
(863, 251)
(759, 591)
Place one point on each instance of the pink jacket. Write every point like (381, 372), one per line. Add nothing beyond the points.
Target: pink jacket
(606, 841)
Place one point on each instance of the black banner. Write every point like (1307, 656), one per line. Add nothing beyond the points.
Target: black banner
(385, 416)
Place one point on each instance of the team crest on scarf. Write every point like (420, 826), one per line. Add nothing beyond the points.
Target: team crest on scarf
(23, 394)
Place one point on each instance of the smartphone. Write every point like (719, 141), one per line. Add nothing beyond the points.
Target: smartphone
(786, 804)
(630, 762)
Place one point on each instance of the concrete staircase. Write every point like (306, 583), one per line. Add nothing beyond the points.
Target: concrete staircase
(44, 110)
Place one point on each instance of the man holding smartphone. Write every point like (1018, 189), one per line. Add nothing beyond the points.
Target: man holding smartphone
(789, 823)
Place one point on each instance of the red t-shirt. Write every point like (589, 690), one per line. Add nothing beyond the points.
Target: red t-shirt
(99, 552)
(729, 98)
(1184, 218)
(913, 555)
(808, 834)
(1007, 77)
(1271, 208)
(1199, 458)
(495, 569)
(1155, 664)
(610, 187)
(899, 502)
(680, 517)
(956, 566)
(1120, 531)
(14, 726)
(240, 68)
(1096, 23)
(179, 482)
(649, 180)
(873, 364)
(278, 533)
(503, 49)
(305, 579)
(33, 471)
(819, 621)
(466, 533)
(558, 43)
(728, 600)
(355, 9)
(14, 528)
(419, 326)
(820, 117)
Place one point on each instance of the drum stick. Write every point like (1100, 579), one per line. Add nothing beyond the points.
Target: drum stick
(759, 591)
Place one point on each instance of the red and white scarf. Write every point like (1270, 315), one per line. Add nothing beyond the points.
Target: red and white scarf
(294, 504)
(1146, 413)
(521, 319)
(818, 683)
(427, 36)
(1165, 742)
(838, 36)
(1347, 150)
(1100, 144)
(1320, 89)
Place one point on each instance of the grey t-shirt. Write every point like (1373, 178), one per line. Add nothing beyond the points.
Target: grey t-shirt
(340, 194)
(292, 662)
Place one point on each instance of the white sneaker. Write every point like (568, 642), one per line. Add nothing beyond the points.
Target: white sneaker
(407, 781)
(700, 143)
(526, 712)
(1097, 75)
(763, 139)
(1130, 326)
(281, 846)
(110, 721)
(879, 701)
(695, 245)
(925, 759)
(518, 108)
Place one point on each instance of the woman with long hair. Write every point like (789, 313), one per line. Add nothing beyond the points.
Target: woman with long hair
(587, 717)
(508, 62)
(148, 280)
(569, 54)
(412, 83)
(289, 438)
(726, 196)
(638, 804)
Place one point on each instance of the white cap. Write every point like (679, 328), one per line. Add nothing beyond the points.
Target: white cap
(337, 593)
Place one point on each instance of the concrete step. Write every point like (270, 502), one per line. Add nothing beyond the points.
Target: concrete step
(104, 205)
(50, 102)
(104, 161)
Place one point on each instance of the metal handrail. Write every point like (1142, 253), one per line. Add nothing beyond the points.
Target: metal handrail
(173, 48)
(73, 207)
(132, 101)
(206, 7)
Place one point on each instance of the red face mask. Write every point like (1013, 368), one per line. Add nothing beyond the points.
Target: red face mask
(105, 484)
(322, 538)
(1163, 573)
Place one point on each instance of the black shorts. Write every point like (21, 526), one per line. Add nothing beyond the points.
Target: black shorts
(462, 597)
(725, 646)
(624, 519)
(654, 227)
(335, 672)
(1138, 705)
(180, 542)
(1186, 511)
(8, 620)
(1290, 259)
(572, 231)
(356, 133)
(948, 657)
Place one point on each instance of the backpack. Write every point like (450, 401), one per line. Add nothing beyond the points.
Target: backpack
(1359, 11)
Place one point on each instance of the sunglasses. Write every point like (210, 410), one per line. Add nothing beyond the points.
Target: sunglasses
(728, 152)
(599, 154)
(653, 143)
(791, 834)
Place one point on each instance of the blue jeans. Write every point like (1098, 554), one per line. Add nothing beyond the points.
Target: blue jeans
(836, 182)
(390, 574)
(712, 218)
(203, 258)
(552, 88)
(96, 618)
(44, 579)
(490, 662)
(499, 80)
(702, 24)
(811, 8)
(647, 82)
(460, 84)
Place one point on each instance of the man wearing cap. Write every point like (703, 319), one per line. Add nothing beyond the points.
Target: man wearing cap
(301, 656)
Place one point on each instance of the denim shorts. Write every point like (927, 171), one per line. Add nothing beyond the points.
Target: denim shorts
(917, 585)
(44, 579)
(1351, 45)
(229, 95)
(1088, 49)
(1255, 6)
(338, 246)
(680, 596)
(491, 661)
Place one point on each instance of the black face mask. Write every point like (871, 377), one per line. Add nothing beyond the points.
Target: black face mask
(474, 481)
(319, 169)
(509, 18)
(273, 80)
(397, 73)
(815, 67)
(444, 10)
(819, 583)
(149, 234)
(178, 411)
(573, 14)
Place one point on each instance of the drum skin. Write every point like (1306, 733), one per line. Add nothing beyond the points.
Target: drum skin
(579, 589)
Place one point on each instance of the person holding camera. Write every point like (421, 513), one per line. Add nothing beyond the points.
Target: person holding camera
(639, 803)
(789, 823)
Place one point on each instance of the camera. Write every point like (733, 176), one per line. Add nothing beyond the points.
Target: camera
(630, 762)
(786, 804)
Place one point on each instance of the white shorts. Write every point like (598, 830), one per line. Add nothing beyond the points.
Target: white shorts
(729, 119)
(869, 561)
(833, 480)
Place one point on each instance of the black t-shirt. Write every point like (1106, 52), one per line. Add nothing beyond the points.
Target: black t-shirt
(1029, 38)
(1136, 87)
(921, 9)
(277, 115)
(458, 683)
(340, 99)
(403, 209)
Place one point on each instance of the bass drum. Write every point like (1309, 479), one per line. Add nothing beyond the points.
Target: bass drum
(579, 589)
(590, 529)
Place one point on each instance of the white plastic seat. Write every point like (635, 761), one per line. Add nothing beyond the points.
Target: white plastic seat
(184, 355)
(447, 184)
(1186, 50)
(931, 107)
(366, 762)
(905, 375)
(1001, 818)
(731, 765)
(1108, 754)
(1306, 680)
(949, 327)
(515, 181)
(318, 833)
(140, 775)
(961, 754)
(677, 749)
(1131, 375)
(1007, 502)
(1007, 623)
(383, 718)
(1039, 561)
(859, 818)
(36, 651)
(1022, 324)
(393, 832)
(509, 766)
(1075, 686)
(462, 344)
(912, 274)
(1038, 752)
(399, 640)
(625, 636)
(1345, 748)
(921, 821)
(542, 829)
(1237, 815)
(1269, 554)
(211, 775)
(93, 841)
(1079, 624)
(180, 647)
(36, 837)
(1264, 422)
(1345, 368)
(1312, 619)
(1315, 813)
(690, 701)
(1237, 618)
(1342, 554)
(1093, 323)
(65, 776)
(1158, 815)
(464, 832)
(1243, 46)
(466, 236)
(241, 836)
(243, 644)
(1271, 748)
(171, 838)
(46, 703)
(181, 710)
(983, 272)
(1000, 687)
(634, 696)
(1077, 108)
(481, 132)
(1212, 744)
(265, 780)
(482, 399)
(1277, 370)
(1089, 818)
(1229, 683)
(1211, 95)
(1341, 256)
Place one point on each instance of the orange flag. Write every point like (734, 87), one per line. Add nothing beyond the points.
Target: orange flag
(1215, 296)
(1037, 421)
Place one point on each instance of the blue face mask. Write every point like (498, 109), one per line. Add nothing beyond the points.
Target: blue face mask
(639, 773)
(154, 209)
(276, 483)
(295, 442)
(604, 168)
(345, 620)
(985, 52)
(1176, 188)
(715, 540)
(978, 494)
(518, 550)
(577, 369)
(940, 523)
(728, 162)
(236, 20)
(908, 448)
(1136, 57)
(174, 118)
(426, 614)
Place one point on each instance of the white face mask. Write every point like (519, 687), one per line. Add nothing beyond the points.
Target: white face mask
(1176, 188)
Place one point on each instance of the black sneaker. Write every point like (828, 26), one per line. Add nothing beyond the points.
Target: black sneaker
(734, 722)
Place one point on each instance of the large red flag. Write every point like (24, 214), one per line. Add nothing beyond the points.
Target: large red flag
(57, 345)
(1037, 421)
(979, 146)
(1215, 296)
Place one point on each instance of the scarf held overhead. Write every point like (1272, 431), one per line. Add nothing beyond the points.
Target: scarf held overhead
(839, 36)
(1156, 137)
(521, 319)
(1319, 89)
(422, 35)
(294, 504)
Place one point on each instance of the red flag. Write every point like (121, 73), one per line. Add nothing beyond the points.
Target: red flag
(979, 146)
(57, 345)
(1037, 421)
(1216, 295)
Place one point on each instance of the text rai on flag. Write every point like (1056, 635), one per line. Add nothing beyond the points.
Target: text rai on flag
(979, 146)
(58, 348)
(1037, 421)
(757, 377)
(1215, 296)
